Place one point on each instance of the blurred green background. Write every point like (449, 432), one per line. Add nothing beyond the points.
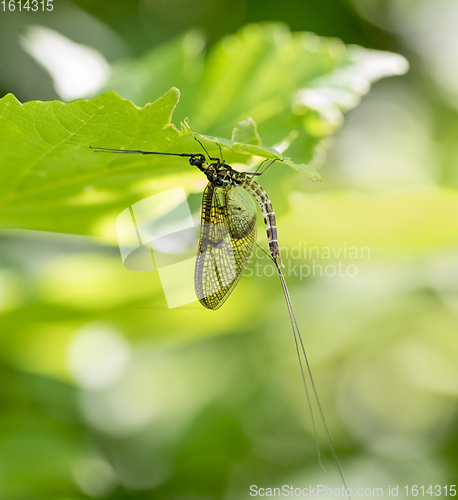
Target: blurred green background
(106, 393)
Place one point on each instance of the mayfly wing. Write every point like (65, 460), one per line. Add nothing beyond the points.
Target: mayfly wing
(227, 240)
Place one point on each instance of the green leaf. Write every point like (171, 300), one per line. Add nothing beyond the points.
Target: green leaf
(247, 132)
(253, 150)
(39, 139)
(52, 181)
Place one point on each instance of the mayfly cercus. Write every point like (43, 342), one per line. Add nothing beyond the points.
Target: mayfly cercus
(229, 229)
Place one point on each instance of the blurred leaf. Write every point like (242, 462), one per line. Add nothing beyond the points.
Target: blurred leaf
(282, 80)
(417, 219)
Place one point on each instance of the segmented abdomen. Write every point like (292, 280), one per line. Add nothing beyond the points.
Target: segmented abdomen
(247, 182)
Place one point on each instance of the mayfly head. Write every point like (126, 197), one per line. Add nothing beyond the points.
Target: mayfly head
(198, 161)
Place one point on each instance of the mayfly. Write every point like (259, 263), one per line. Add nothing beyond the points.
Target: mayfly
(229, 228)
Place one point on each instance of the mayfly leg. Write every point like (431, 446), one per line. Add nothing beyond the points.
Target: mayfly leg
(259, 166)
(220, 151)
(208, 154)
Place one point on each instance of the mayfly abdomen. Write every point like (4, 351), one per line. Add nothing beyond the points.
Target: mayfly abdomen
(247, 182)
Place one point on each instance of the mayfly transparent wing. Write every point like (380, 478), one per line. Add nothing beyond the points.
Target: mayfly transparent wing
(227, 240)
